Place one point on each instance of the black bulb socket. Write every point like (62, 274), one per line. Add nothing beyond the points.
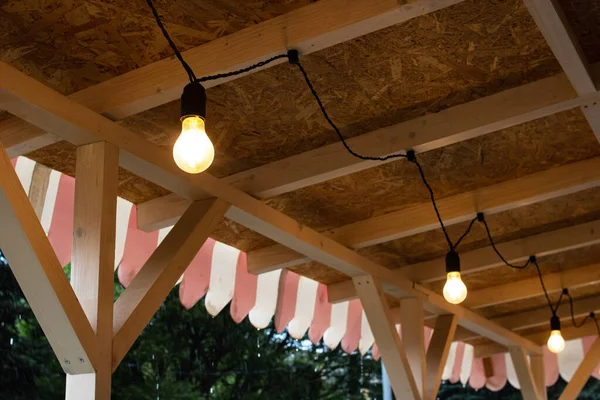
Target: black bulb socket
(293, 57)
(452, 262)
(554, 323)
(193, 101)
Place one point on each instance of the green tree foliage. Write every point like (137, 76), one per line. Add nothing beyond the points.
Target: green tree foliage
(188, 355)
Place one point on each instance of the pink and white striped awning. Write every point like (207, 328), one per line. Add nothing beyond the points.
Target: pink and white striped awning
(299, 304)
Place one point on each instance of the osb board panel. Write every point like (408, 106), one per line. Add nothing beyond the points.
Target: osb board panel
(73, 44)
(470, 50)
(584, 20)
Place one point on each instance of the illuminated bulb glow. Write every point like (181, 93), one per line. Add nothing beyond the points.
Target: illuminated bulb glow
(193, 151)
(556, 343)
(455, 291)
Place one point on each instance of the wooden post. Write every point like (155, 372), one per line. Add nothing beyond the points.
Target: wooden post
(137, 304)
(437, 353)
(92, 261)
(583, 373)
(529, 389)
(41, 277)
(392, 351)
(412, 323)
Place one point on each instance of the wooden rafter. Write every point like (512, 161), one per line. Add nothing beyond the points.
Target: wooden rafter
(307, 29)
(36, 103)
(92, 260)
(42, 278)
(553, 23)
(412, 323)
(488, 349)
(496, 198)
(137, 304)
(543, 244)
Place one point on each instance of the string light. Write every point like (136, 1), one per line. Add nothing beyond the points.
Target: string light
(193, 152)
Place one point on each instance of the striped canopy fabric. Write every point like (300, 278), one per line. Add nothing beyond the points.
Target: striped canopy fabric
(219, 273)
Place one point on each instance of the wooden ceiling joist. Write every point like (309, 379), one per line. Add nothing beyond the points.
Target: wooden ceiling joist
(32, 101)
(463, 207)
(486, 115)
(500, 294)
(488, 349)
(553, 24)
(307, 29)
(541, 316)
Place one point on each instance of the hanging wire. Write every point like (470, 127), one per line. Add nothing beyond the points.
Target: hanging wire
(466, 232)
(337, 130)
(491, 239)
(410, 155)
(191, 75)
(590, 316)
(242, 70)
(185, 65)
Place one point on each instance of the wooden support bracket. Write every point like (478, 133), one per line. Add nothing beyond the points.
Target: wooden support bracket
(138, 303)
(392, 351)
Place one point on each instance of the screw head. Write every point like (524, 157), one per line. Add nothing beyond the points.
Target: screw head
(81, 360)
(67, 361)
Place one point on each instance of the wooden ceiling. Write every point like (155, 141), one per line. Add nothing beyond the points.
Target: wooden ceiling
(465, 52)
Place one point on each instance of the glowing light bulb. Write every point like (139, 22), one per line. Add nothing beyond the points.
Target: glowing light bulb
(193, 151)
(455, 291)
(556, 343)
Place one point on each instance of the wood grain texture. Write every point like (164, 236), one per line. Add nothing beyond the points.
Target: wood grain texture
(41, 277)
(437, 353)
(92, 260)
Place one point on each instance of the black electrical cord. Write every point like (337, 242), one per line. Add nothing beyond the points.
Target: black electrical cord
(292, 56)
(242, 70)
(336, 129)
(591, 315)
(187, 68)
(466, 232)
(489, 235)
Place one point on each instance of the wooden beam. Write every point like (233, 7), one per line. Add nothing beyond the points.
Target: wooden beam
(514, 291)
(487, 349)
(552, 183)
(583, 372)
(437, 353)
(432, 131)
(541, 315)
(307, 29)
(44, 107)
(137, 304)
(529, 389)
(412, 323)
(539, 377)
(390, 345)
(555, 27)
(92, 261)
(41, 277)
(544, 244)
(474, 322)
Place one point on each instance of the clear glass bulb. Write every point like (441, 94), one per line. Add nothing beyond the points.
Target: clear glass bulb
(556, 343)
(455, 291)
(193, 151)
